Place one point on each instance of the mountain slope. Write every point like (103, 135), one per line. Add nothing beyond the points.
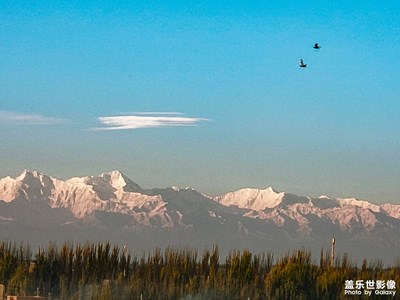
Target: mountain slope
(39, 208)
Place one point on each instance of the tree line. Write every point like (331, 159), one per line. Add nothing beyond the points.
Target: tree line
(104, 271)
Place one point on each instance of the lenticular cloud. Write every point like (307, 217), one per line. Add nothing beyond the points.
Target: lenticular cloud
(12, 117)
(145, 120)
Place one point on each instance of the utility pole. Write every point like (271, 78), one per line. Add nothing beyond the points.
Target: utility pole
(124, 252)
(333, 248)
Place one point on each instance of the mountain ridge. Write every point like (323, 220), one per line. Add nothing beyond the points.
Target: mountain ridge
(112, 205)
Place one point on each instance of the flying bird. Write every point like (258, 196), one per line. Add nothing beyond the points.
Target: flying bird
(316, 46)
(302, 64)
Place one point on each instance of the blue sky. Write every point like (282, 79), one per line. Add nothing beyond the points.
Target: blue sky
(206, 94)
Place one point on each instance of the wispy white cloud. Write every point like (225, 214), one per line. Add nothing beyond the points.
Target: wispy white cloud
(147, 120)
(152, 113)
(12, 117)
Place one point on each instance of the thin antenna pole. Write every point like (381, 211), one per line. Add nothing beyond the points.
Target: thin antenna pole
(333, 247)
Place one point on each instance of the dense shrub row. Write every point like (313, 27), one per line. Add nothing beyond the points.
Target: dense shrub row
(105, 271)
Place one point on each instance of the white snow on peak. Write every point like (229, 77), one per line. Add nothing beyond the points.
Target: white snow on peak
(33, 185)
(359, 203)
(25, 173)
(106, 184)
(254, 199)
(392, 210)
(115, 178)
(177, 188)
(27, 176)
(81, 195)
(9, 188)
(113, 192)
(78, 180)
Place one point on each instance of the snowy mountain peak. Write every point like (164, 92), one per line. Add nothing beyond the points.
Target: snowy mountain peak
(114, 192)
(120, 182)
(35, 179)
(359, 203)
(115, 178)
(26, 174)
(253, 199)
(9, 188)
(111, 206)
(31, 185)
(110, 181)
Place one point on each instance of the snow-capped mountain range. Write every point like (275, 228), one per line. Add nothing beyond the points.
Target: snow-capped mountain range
(37, 208)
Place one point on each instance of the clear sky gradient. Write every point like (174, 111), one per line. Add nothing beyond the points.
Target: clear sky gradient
(206, 94)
